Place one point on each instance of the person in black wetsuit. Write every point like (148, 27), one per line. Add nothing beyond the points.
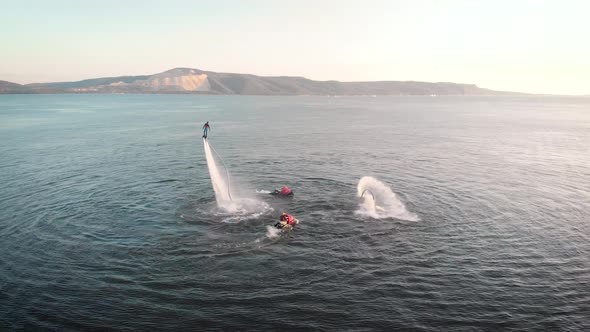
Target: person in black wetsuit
(206, 129)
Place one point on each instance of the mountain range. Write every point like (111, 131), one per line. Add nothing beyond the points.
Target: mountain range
(195, 81)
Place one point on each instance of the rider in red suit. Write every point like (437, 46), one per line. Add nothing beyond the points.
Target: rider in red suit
(286, 219)
(285, 191)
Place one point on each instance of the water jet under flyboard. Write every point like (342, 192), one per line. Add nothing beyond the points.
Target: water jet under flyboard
(226, 199)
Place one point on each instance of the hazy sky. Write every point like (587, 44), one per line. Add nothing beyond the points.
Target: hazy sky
(518, 45)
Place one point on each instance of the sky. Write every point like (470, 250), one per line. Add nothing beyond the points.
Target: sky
(518, 45)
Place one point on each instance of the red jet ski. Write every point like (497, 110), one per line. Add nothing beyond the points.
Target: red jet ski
(287, 222)
(283, 192)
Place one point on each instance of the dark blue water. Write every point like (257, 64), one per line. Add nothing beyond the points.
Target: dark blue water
(108, 219)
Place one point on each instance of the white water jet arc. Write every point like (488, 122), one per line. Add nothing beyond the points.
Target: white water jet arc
(378, 201)
(368, 200)
(220, 183)
(243, 207)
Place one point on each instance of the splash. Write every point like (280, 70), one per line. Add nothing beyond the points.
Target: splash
(368, 200)
(377, 200)
(272, 232)
(227, 202)
(220, 184)
(243, 210)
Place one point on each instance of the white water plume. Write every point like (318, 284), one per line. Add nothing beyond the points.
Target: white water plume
(377, 200)
(220, 180)
(220, 183)
(272, 232)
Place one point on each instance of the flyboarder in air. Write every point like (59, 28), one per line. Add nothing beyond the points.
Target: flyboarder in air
(206, 128)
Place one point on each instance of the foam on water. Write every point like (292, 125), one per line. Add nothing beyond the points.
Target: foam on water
(272, 232)
(243, 209)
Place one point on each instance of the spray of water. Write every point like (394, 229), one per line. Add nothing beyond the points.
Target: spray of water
(272, 232)
(368, 200)
(219, 182)
(226, 200)
(378, 201)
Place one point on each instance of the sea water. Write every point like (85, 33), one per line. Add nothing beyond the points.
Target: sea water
(109, 219)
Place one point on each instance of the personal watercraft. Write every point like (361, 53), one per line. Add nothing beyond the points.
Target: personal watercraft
(283, 192)
(283, 225)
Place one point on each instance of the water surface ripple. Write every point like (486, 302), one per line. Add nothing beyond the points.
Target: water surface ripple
(109, 220)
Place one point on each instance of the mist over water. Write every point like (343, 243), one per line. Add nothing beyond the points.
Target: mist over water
(117, 216)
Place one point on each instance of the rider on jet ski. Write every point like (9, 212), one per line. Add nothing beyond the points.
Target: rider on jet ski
(285, 191)
(286, 220)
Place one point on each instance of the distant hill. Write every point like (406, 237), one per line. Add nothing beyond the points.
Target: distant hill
(187, 80)
(9, 87)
